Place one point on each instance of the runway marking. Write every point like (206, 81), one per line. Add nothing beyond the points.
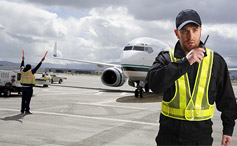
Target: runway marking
(65, 93)
(123, 94)
(105, 101)
(116, 106)
(98, 93)
(45, 90)
(87, 117)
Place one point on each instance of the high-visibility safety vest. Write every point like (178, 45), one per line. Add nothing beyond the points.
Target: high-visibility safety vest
(27, 77)
(195, 106)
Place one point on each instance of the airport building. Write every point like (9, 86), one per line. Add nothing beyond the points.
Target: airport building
(72, 71)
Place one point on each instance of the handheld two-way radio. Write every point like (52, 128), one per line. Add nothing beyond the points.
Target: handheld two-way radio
(203, 45)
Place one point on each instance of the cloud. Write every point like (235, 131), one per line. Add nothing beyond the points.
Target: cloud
(78, 4)
(19, 13)
(220, 11)
(227, 31)
(222, 38)
(100, 31)
(212, 11)
(24, 26)
(102, 34)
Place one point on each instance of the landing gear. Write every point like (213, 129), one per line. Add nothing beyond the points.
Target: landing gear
(136, 93)
(139, 92)
(139, 85)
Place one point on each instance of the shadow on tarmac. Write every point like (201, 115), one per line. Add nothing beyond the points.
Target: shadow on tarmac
(11, 96)
(147, 98)
(17, 117)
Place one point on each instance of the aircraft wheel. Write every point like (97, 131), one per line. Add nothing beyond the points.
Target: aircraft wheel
(7, 92)
(146, 88)
(141, 93)
(136, 93)
(45, 85)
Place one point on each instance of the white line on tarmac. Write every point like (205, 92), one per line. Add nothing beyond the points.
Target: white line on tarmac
(98, 93)
(102, 104)
(105, 101)
(123, 94)
(65, 93)
(87, 117)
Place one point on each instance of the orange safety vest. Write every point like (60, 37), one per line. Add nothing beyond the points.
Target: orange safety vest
(27, 77)
(195, 106)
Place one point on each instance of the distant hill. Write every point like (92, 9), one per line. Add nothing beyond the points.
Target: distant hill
(7, 63)
(232, 66)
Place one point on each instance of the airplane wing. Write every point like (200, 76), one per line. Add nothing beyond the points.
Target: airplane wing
(99, 64)
(232, 69)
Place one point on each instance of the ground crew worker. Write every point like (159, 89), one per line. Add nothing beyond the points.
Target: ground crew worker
(27, 81)
(191, 78)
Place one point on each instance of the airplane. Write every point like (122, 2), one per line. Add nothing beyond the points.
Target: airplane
(136, 59)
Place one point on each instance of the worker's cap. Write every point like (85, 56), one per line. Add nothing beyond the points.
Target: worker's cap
(28, 66)
(187, 16)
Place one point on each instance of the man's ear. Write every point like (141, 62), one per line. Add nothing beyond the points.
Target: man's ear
(176, 33)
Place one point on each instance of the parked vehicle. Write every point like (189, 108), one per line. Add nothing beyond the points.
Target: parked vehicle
(9, 82)
(57, 79)
(42, 79)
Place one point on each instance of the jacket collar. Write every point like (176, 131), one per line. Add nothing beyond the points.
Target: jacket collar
(179, 53)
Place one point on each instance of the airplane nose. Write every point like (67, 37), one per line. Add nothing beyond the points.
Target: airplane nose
(129, 57)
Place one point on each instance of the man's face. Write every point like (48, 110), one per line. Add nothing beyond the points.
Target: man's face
(189, 37)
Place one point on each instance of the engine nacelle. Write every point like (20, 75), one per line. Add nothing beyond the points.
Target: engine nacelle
(113, 77)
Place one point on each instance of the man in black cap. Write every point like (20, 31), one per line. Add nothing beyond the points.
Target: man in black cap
(192, 78)
(27, 81)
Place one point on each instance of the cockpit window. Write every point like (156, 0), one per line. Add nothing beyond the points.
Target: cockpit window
(127, 48)
(149, 50)
(138, 48)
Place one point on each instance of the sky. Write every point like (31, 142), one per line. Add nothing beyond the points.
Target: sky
(98, 30)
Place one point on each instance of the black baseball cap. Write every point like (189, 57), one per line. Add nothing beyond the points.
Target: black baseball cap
(187, 16)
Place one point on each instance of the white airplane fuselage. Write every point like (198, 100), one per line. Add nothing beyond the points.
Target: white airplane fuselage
(135, 64)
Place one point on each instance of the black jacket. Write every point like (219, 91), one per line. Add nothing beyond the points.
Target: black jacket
(162, 75)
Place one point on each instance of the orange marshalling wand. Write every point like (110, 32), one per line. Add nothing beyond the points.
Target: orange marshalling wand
(45, 54)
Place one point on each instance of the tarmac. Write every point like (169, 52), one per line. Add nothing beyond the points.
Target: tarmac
(83, 112)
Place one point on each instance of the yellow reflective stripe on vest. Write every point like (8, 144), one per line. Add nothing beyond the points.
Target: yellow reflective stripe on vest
(27, 77)
(179, 113)
(182, 101)
(193, 107)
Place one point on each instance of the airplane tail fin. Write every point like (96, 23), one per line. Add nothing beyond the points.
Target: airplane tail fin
(55, 54)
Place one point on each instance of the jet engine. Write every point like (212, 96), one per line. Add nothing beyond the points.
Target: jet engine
(113, 77)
